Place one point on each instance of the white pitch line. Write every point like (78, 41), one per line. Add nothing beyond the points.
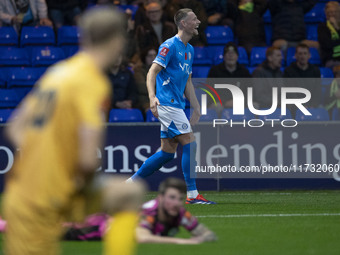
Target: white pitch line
(270, 215)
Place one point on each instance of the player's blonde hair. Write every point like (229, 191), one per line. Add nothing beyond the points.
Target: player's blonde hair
(180, 15)
(101, 24)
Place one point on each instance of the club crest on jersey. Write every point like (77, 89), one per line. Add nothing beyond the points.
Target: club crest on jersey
(185, 126)
(164, 51)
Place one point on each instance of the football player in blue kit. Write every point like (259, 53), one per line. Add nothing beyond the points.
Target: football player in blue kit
(168, 79)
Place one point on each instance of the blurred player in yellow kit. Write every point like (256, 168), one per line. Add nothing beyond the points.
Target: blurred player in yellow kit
(58, 128)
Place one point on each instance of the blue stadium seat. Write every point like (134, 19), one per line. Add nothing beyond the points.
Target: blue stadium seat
(70, 50)
(326, 76)
(126, 115)
(219, 34)
(267, 17)
(210, 116)
(326, 72)
(277, 115)
(3, 78)
(11, 56)
(202, 56)
(268, 30)
(37, 36)
(312, 32)
(318, 114)
(200, 71)
(68, 35)
(23, 76)
(243, 56)
(228, 114)
(5, 114)
(336, 114)
(257, 55)
(150, 117)
(45, 56)
(316, 14)
(8, 36)
(251, 69)
(8, 98)
(315, 57)
(216, 53)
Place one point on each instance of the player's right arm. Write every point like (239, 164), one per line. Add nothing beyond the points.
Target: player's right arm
(204, 234)
(151, 86)
(144, 235)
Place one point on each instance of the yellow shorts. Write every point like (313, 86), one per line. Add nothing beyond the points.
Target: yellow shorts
(30, 229)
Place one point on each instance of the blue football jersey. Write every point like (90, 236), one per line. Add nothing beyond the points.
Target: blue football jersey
(176, 60)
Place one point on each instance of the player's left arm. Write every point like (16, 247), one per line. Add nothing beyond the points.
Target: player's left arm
(191, 96)
(203, 233)
(18, 122)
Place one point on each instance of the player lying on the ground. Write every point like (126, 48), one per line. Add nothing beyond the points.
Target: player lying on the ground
(159, 221)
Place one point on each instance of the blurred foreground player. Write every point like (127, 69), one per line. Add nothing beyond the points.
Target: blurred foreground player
(58, 128)
(159, 221)
(168, 79)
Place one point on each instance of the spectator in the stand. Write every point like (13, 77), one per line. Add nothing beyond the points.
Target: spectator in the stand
(65, 12)
(301, 68)
(154, 31)
(270, 68)
(333, 98)
(146, 56)
(123, 84)
(229, 68)
(24, 13)
(140, 16)
(289, 28)
(329, 35)
(197, 7)
(249, 27)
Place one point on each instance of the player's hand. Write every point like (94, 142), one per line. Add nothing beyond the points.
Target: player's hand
(45, 22)
(15, 20)
(153, 106)
(334, 22)
(192, 240)
(195, 117)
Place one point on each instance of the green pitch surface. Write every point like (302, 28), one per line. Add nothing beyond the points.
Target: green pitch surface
(251, 223)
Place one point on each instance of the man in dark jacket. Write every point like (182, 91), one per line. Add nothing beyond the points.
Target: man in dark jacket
(329, 35)
(154, 31)
(288, 22)
(302, 69)
(270, 68)
(230, 68)
(249, 26)
(65, 12)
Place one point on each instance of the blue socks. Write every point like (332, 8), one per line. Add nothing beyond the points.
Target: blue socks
(152, 164)
(189, 164)
(156, 161)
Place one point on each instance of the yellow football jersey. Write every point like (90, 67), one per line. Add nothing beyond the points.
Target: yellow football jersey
(72, 92)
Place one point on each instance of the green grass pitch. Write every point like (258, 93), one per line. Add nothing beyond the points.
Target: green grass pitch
(255, 223)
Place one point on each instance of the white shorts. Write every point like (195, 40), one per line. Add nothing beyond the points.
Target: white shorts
(173, 121)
